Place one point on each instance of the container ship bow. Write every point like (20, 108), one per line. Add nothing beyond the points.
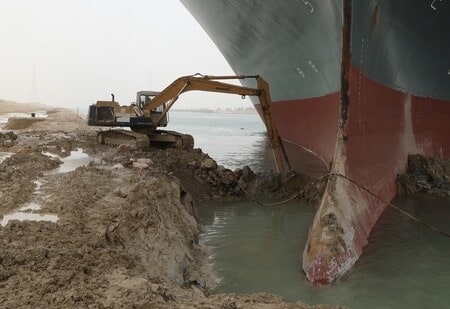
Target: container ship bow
(357, 86)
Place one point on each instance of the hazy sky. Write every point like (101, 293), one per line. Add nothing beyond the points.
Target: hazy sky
(73, 52)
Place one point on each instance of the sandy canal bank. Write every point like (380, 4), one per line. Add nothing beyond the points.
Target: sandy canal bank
(120, 229)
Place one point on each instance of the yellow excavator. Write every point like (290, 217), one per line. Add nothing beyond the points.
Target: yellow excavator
(150, 111)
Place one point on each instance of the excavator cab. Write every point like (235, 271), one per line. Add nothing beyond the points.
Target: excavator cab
(145, 97)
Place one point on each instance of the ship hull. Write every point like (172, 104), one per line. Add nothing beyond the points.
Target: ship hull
(372, 149)
(296, 122)
(357, 86)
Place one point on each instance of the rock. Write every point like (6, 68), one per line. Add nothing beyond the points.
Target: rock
(120, 159)
(8, 143)
(118, 166)
(208, 164)
(247, 174)
(192, 164)
(4, 273)
(11, 135)
(122, 192)
(229, 304)
(242, 184)
(124, 148)
(228, 178)
(146, 161)
(269, 181)
(220, 169)
(238, 172)
(140, 166)
(425, 175)
(212, 178)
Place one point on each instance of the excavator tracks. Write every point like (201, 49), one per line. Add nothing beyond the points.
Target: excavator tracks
(159, 138)
(124, 137)
(174, 139)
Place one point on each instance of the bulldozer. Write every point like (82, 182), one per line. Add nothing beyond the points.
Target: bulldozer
(150, 112)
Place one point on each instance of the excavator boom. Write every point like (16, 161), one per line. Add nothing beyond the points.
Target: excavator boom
(145, 118)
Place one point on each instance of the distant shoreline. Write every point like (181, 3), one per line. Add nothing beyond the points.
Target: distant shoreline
(14, 107)
(245, 111)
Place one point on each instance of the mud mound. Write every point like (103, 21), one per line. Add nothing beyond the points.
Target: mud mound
(102, 241)
(17, 176)
(62, 119)
(7, 139)
(21, 123)
(205, 180)
(58, 119)
(425, 175)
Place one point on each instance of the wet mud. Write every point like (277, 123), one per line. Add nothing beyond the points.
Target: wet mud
(126, 234)
(426, 175)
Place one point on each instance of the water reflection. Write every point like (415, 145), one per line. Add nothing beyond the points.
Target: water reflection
(21, 216)
(405, 265)
(27, 212)
(250, 242)
(76, 159)
(5, 155)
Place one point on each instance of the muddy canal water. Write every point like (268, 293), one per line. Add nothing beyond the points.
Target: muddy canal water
(255, 249)
(258, 249)
(233, 140)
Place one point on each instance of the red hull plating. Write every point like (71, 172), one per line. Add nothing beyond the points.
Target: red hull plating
(383, 127)
(309, 146)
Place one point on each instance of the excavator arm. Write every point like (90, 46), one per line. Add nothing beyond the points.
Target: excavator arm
(204, 83)
(212, 84)
(144, 119)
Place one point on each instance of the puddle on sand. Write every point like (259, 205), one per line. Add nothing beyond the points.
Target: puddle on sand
(21, 216)
(76, 159)
(30, 206)
(27, 213)
(5, 155)
(38, 184)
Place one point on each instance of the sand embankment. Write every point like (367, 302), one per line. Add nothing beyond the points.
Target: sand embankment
(126, 234)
